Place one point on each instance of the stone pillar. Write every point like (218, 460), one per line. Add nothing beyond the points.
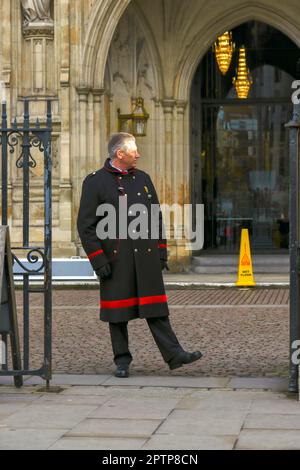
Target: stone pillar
(168, 171)
(38, 75)
(168, 108)
(83, 94)
(158, 153)
(65, 186)
(90, 164)
(176, 181)
(182, 184)
(99, 125)
(6, 79)
(81, 163)
(6, 47)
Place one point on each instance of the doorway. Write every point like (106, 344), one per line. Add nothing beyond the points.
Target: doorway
(240, 165)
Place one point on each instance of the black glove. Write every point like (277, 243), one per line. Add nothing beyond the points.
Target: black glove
(104, 272)
(164, 265)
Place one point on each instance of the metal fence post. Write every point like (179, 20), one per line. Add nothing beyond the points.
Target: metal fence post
(294, 245)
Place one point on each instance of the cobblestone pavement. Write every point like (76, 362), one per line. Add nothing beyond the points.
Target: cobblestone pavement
(242, 332)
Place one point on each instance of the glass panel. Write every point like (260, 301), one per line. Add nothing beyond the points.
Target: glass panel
(246, 177)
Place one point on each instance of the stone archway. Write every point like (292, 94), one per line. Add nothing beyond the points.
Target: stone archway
(101, 27)
(176, 66)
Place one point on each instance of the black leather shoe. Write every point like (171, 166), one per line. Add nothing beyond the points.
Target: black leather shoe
(122, 371)
(184, 358)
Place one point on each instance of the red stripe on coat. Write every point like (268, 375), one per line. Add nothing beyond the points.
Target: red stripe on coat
(153, 299)
(131, 302)
(119, 303)
(95, 253)
(162, 245)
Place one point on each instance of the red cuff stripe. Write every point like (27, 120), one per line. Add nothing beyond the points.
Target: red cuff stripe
(92, 255)
(131, 302)
(162, 245)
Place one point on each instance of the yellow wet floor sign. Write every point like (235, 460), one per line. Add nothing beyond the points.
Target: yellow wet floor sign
(245, 274)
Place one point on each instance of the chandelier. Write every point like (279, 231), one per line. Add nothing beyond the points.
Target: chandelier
(243, 80)
(224, 48)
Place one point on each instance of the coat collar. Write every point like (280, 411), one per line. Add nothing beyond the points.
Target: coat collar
(111, 169)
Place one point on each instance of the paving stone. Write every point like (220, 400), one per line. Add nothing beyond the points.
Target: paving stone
(25, 390)
(221, 403)
(272, 421)
(136, 408)
(29, 439)
(114, 428)
(190, 382)
(7, 409)
(100, 443)
(182, 442)
(167, 392)
(256, 439)
(21, 398)
(276, 406)
(86, 390)
(44, 416)
(209, 423)
(273, 383)
(95, 400)
(67, 379)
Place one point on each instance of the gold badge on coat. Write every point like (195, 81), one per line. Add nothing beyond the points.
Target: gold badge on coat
(146, 189)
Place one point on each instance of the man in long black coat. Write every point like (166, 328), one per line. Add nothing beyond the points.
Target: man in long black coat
(128, 262)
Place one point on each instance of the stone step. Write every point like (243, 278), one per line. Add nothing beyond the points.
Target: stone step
(222, 264)
(228, 260)
(234, 269)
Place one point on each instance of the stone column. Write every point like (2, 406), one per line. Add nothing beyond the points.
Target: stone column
(65, 186)
(159, 167)
(38, 60)
(169, 190)
(168, 108)
(99, 124)
(5, 78)
(182, 184)
(81, 163)
(83, 94)
(176, 180)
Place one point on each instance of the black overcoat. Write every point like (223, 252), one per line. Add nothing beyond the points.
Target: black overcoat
(135, 288)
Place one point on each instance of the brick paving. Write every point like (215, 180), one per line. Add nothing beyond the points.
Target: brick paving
(242, 332)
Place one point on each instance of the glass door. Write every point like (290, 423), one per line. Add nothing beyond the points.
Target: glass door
(245, 174)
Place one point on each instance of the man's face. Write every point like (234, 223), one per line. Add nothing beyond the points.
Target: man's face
(130, 156)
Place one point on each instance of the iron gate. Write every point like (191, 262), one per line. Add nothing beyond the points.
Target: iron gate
(22, 139)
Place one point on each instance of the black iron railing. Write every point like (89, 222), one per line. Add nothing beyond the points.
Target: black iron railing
(24, 138)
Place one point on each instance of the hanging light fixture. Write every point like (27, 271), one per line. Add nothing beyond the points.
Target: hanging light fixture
(136, 122)
(224, 48)
(243, 80)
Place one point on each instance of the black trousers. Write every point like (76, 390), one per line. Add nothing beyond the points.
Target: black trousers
(163, 335)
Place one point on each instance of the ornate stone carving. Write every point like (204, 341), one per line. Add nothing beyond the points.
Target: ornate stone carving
(36, 11)
(129, 64)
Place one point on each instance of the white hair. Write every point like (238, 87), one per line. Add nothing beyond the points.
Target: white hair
(119, 141)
